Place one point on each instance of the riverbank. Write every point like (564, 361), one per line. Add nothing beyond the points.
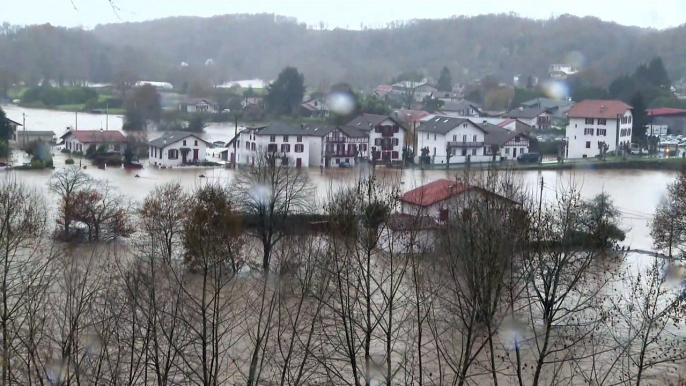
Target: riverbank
(642, 163)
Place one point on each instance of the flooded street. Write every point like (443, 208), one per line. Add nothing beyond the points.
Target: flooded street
(636, 193)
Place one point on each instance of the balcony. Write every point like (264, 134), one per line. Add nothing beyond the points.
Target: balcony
(465, 144)
(349, 154)
(336, 139)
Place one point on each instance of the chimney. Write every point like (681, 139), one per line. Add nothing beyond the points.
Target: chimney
(302, 126)
(521, 108)
(164, 141)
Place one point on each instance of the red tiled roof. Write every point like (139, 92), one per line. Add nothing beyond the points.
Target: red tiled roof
(661, 111)
(506, 122)
(608, 109)
(97, 136)
(434, 192)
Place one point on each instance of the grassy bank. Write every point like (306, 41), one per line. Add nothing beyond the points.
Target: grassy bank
(645, 163)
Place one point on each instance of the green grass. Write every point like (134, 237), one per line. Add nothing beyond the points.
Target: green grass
(16, 93)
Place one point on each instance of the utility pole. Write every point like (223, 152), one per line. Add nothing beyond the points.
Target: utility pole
(107, 117)
(77, 120)
(23, 122)
(235, 141)
(540, 202)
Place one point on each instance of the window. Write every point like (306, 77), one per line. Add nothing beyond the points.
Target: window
(286, 148)
(173, 154)
(396, 129)
(474, 139)
(588, 131)
(299, 148)
(601, 132)
(396, 141)
(464, 138)
(347, 160)
(363, 147)
(602, 121)
(285, 138)
(629, 118)
(434, 137)
(117, 148)
(454, 138)
(378, 130)
(272, 138)
(521, 151)
(473, 151)
(253, 146)
(271, 148)
(464, 152)
(184, 142)
(507, 150)
(394, 155)
(589, 121)
(588, 144)
(196, 143)
(629, 132)
(338, 160)
(377, 141)
(517, 139)
(427, 135)
(247, 145)
(299, 138)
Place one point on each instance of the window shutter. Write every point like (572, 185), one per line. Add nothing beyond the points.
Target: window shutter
(377, 141)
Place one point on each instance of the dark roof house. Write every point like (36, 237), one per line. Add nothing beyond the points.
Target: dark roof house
(172, 137)
(442, 125)
(526, 113)
(370, 121)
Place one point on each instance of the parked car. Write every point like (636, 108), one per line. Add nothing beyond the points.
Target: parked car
(528, 157)
(635, 148)
(345, 165)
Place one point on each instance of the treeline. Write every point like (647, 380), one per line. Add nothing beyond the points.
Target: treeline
(248, 46)
(505, 295)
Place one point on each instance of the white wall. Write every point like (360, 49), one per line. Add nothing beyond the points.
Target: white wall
(162, 158)
(73, 144)
(316, 151)
(400, 135)
(439, 142)
(577, 140)
(246, 156)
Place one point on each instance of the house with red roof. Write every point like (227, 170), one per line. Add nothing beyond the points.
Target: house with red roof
(662, 120)
(594, 124)
(435, 199)
(82, 140)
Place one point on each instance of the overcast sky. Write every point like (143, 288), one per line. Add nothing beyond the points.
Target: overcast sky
(338, 13)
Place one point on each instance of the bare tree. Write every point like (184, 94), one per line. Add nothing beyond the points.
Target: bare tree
(24, 261)
(66, 184)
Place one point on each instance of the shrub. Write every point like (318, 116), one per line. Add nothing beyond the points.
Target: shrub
(65, 151)
(37, 164)
(90, 151)
(69, 161)
(78, 153)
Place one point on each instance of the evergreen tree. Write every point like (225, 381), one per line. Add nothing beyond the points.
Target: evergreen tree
(445, 81)
(657, 75)
(640, 119)
(285, 95)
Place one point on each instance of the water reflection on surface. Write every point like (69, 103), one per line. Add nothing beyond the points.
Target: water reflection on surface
(635, 192)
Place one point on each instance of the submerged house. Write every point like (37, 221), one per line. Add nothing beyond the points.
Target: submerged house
(177, 148)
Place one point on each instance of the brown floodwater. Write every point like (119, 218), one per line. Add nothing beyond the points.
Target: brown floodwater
(635, 192)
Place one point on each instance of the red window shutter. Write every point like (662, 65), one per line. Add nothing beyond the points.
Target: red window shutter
(394, 155)
(396, 129)
(396, 141)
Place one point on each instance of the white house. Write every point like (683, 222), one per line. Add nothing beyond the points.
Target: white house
(464, 139)
(177, 148)
(596, 122)
(289, 142)
(13, 129)
(157, 85)
(386, 137)
(538, 118)
(199, 105)
(561, 71)
(420, 90)
(507, 144)
(438, 198)
(82, 140)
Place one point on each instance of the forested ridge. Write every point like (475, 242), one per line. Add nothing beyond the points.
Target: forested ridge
(247, 46)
